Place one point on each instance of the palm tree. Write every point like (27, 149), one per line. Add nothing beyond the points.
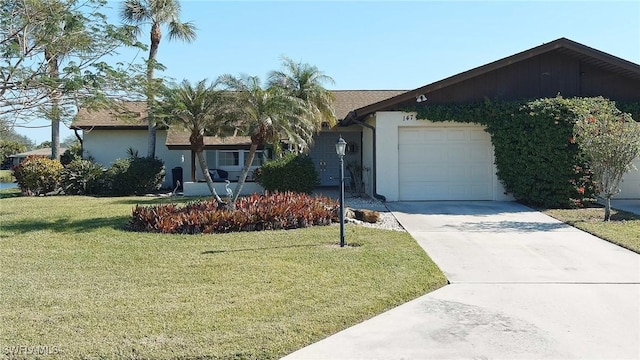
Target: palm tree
(305, 82)
(156, 13)
(199, 108)
(269, 115)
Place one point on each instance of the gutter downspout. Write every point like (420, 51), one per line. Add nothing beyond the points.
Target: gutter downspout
(373, 167)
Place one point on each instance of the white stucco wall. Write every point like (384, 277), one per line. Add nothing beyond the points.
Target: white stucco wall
(387, 128)
(202, 189)
(105, 146)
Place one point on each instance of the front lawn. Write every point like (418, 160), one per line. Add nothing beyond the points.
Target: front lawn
(74, 283)
(623, 229)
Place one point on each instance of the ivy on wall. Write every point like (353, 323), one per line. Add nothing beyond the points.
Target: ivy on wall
(536, 157)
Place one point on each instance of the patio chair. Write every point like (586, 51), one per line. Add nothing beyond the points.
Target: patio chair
(218, 174)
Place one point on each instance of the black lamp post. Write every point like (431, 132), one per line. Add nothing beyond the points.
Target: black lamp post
(341, 147)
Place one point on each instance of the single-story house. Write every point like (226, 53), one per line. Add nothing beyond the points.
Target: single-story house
(108, 136)
(405, 158)
(44, 152)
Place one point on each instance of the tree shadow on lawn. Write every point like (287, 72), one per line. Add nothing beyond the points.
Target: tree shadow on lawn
(9, 193)
(213, 252)
(66, 225)
(142, 200)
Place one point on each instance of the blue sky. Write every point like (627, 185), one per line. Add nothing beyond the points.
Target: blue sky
(382, 44)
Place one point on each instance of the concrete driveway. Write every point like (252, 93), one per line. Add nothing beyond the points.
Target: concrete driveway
(523, 286)
(626, 205)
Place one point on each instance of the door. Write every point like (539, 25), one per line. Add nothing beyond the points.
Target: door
(325, 159)
(445, 163)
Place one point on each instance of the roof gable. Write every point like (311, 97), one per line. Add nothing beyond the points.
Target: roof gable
(564, 46)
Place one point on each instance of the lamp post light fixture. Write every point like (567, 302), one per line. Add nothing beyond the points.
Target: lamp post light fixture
(341, 147)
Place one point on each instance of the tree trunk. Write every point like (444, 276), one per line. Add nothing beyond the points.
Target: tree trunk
(54, 114)
(156, 35)
(607, 208)
(193, 166)
(207, 176)
(55, 133)
(151, 145)
(247, 165)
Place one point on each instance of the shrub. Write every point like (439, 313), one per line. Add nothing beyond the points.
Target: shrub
(291, 172)
(72, 153)
(38, 175)
(253, 213)
(136, 175)
(82, 177)
(536, 157)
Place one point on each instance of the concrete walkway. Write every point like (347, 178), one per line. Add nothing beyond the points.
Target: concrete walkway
(523, 286)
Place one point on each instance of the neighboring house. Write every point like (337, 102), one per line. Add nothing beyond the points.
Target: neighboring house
(44, 152)
(405, 158)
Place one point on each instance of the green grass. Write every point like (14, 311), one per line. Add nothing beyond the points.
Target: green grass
(72, 279)
(6, 176)
(623, 229)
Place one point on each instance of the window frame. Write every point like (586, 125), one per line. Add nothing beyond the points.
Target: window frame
(241, 159)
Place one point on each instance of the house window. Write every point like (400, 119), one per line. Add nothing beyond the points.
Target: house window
(258, 159)
(228, 158)
(234, 159)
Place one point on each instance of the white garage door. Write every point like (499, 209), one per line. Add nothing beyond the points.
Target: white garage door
(445, 163)
(630, 185)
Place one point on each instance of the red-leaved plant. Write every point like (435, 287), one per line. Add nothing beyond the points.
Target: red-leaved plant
(256, 212)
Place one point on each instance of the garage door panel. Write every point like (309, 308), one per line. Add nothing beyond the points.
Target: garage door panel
(457, 154)
(456, 135)
(412, 154)
(443, 191)
(479, 135)
(445, 164)
(456, 173)
(410, 137)
(480, 172)
(420, 174)
(421, 136)
(480, 155)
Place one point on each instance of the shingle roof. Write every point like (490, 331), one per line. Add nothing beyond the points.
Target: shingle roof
(37, 152)
(107, 118)
(346, 100)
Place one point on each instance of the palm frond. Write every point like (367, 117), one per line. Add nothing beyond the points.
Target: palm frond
(135, 12)
(184, 31)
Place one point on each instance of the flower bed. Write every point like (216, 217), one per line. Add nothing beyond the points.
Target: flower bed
(252, 213)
